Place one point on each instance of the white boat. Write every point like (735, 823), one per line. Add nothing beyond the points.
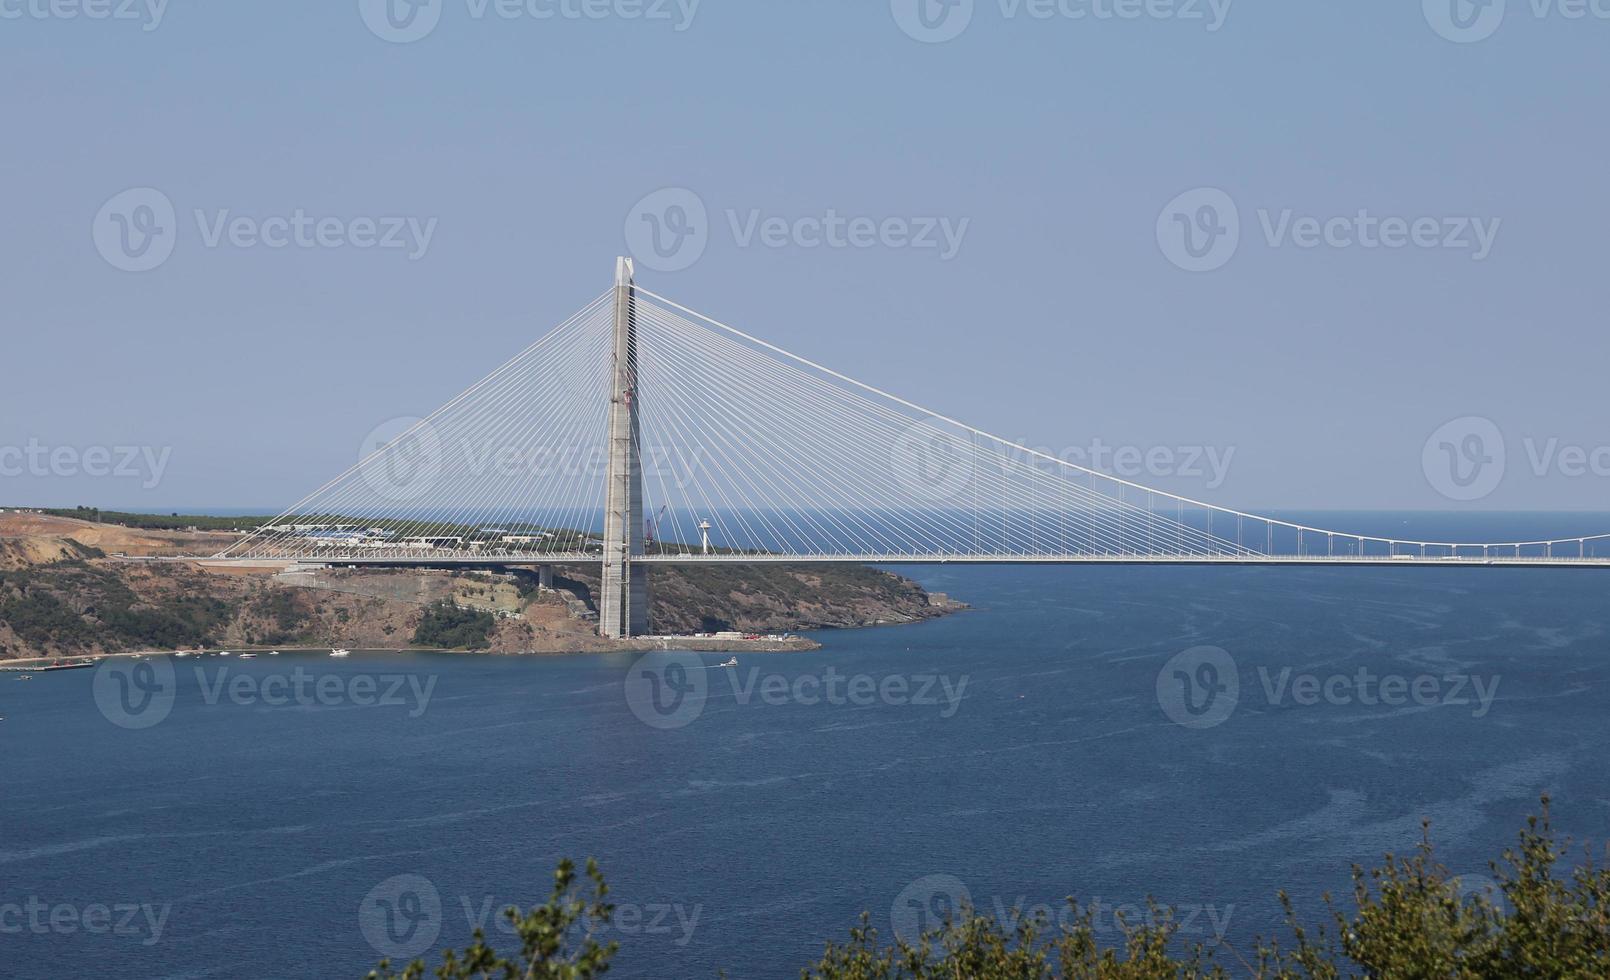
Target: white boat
(248, 656)
(731, 663)
(224, 653)
(339, 652)
(273, 653)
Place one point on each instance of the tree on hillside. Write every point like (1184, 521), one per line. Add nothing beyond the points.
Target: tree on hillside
(556, 939)
(1410, 919)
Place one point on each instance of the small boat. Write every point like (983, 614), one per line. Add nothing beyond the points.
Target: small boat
(273, 653)
(731, 663)
(248, 656)
(340, 652)
(224, 653)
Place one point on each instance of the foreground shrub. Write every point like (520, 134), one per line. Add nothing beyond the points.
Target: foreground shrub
(1410, 918)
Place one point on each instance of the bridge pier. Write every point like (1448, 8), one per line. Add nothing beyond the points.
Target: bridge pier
(624, 597)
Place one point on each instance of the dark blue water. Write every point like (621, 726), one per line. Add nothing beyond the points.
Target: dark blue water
(243, 837)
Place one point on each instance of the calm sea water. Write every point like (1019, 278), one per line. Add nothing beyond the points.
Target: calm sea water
(739, 829)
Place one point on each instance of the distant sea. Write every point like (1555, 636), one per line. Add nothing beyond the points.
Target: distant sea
(1074, 734)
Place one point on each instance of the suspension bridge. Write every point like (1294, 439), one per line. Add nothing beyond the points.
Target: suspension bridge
(639, 432)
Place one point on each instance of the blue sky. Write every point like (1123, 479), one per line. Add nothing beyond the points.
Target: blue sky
(1061, 152)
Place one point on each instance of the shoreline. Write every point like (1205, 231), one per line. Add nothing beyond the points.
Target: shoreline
(644, 644)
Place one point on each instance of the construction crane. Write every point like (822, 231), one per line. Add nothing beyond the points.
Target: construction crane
(650, 525)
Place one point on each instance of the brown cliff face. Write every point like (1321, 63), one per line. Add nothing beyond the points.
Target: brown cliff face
(778, 598)
(61, 597)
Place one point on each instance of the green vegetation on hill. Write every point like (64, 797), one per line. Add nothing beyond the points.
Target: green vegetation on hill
(451, 628)
(78, 606)
(1411, 919)
(157, 522)
(284, 615)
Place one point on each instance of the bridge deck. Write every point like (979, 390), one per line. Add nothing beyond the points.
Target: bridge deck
(482, 561)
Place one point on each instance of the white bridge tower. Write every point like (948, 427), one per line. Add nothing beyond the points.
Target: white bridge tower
(624, 600)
